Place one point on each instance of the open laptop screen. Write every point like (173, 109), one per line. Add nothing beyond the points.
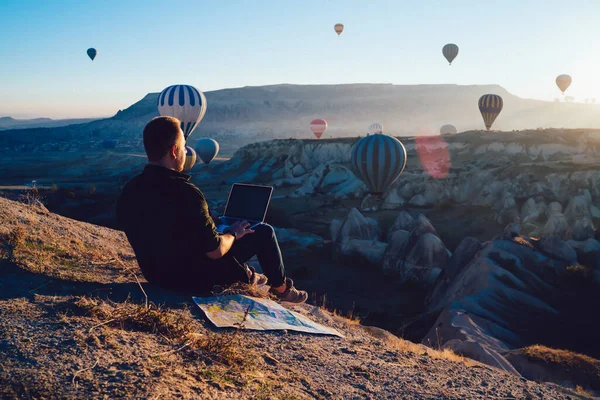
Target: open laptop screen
(248, 202)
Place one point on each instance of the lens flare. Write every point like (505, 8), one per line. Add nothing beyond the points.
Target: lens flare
(433, 153)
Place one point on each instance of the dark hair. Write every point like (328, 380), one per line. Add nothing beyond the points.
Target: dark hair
(160, 135)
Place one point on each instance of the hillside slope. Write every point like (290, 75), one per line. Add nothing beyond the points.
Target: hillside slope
(73, 324)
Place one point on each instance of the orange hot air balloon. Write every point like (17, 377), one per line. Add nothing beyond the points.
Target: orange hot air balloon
(339, 28)
(563, 82)
(318, 127)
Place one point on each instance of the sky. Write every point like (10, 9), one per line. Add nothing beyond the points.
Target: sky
(145, 46)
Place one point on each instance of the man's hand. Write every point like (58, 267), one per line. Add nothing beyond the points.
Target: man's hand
(240, 228)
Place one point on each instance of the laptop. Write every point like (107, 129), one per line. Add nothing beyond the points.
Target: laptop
(245, 203)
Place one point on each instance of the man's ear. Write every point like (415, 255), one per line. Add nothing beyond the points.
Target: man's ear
(173, 151)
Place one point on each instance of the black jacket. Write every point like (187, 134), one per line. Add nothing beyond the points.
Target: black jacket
(166, 220)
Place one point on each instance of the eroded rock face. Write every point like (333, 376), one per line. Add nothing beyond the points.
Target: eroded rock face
(532, 211)
(358, 236)
(414, 251)
(425, 260)
(370, 250)
(371, 203)
(423, 226)
(556, 248)
(462, 256)
(510, 293)
(557, 225)
(396, 251)
(357, 226)
(471, 336)
(583, 228)
(404, 221)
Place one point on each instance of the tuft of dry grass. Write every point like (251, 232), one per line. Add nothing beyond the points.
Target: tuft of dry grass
(245, 289)
(579, 272)
(522, 242)
(580, 390)
(33, 198)
(563, 357)
(185, 333)
(583, 368)
(11, 243)
(410, 347)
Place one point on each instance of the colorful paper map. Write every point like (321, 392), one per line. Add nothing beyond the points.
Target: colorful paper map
(264, 315)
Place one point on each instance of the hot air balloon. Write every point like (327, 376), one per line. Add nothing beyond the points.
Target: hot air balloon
(318, 127)
(190, 158)
(91, 52)
(207, 149)
(339, 28)
(184, 102)
(375, 128)
(378, 160)
(490, 106)
(447, 129)
(450, 51)
(563, 82)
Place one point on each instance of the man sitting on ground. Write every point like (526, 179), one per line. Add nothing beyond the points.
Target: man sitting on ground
(167, 222)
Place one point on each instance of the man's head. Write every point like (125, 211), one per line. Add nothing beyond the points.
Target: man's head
(164, 143)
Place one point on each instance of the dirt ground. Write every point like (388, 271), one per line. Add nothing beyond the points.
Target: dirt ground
(74, 323)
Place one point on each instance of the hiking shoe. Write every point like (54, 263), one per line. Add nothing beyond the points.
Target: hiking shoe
(291, 294)
(256, 278)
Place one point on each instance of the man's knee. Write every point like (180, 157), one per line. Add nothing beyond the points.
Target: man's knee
(265, 230)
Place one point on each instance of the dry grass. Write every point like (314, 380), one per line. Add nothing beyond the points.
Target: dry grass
(410, 347)
(183, 332)
(580, 390)
(585, 367)
(11, 242)
(522, 242)
(32, 197)
(563, 357)
(579, 272)
(71, 260)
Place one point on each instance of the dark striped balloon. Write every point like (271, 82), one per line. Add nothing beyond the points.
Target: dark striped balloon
(490, 106)
(378, 160)
(450, 51)
(184, 102)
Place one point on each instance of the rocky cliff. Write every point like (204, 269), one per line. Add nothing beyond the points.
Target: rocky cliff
(545, 179)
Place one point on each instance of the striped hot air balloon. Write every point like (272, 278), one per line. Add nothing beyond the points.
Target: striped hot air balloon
(563, 82)
(207, 149)
(378, 160)
(450, 51)
(339, 28)
(375, 128)
(490, 106)
(190, 159)
(184, 102)
(91, 52)
(318, 127)
(447, 129)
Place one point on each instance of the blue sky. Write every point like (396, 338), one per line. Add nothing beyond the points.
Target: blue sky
(144, 46)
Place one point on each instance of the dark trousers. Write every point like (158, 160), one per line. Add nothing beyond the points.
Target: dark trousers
(263, 244)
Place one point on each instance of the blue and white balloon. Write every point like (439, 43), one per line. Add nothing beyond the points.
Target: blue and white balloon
(190, 159)
(184, 102)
